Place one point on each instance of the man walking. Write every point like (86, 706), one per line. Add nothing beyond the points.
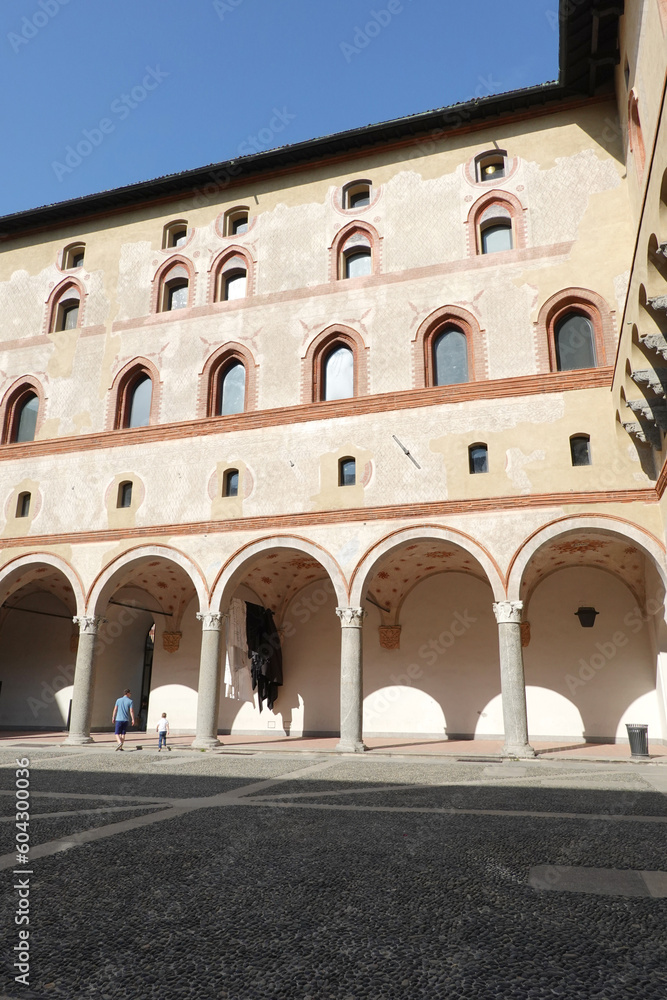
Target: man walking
(122, 713)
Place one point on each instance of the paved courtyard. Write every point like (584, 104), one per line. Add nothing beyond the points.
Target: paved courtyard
(244, 874)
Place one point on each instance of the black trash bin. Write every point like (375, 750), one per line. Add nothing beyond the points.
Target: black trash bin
(638, 736)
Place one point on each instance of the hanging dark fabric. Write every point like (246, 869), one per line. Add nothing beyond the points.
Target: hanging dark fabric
(265, 654)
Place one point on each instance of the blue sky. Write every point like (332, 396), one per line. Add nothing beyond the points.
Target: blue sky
(143, 88)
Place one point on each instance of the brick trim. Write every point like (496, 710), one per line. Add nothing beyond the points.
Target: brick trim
(9, 409)
(444, 509)
(422, 345)
(385, 402)
(161, 277)
(506, 200)
(124, 380)
(220, 265)
(312, 364)
(336, 262)
(56, 296)
(212, 370)
(592, 306)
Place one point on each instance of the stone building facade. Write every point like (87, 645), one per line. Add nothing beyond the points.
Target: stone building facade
(405, 386)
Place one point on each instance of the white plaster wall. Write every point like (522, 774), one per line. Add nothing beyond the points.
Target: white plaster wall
(36, 665)
(588, 682)
(119, 662)
(440, 689)
(175, 676)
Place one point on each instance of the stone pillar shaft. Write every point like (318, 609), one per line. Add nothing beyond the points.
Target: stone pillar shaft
(208, 692)
(512, 682)
(351, 680)
(84, 681)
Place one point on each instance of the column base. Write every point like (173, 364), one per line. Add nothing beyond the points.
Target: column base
(77, 740)
(518, 750)
(205, 743)
(356, 746)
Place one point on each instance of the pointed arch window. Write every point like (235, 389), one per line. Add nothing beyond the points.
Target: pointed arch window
(135, 391)
(139, 398)
(232, 277)
(174, 289)
(22, 412)
(65, 310)
(450, 356)
(27, 412)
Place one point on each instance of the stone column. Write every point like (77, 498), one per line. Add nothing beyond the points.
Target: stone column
(84, 681)
(351, 679)
(512, 683)
(208, 694)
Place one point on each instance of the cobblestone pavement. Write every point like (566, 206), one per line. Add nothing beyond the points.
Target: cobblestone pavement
(240, 877)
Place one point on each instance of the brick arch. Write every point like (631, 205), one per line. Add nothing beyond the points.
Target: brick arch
(422, 345)
(208, 377)
(504, 200)
(313, 361)
(9, 407)
(103, 586)
(11, 573)
(590, 304)
(57, 295)
(221, 263)
(347, 233)
(117, 400)
(162, 275)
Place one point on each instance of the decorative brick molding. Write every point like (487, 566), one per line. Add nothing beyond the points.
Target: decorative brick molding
(635, 135)
(177, 266)
(365, 235)
(508, 206)
(589, 304)
(117, 406)
(232, 258)
(69, 288)
(312, 365)
(214, 369)
(390, 636)
(431, 327)
(11, 405)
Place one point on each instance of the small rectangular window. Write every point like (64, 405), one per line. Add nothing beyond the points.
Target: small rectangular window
(23, 505)
(347, 472)
(478, 458)
(580, 450)
(125, 495)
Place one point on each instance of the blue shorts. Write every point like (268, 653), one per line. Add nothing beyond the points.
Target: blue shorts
(121, 728)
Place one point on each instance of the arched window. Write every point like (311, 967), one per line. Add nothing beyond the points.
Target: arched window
(25, 418)
(490, 166)
(580, 449)
(478, 458)
(232, 275)
(175, 234)
(73, 256)
(496, 223)
(574, 342)
(347, 472)
(450, 357)
(230, 483)
(139, 396)
(174, 288)
(338, 373)
(124, 495)
(357, 194)
(236, 221)
(355, 251)
(23, 505)
(65, 309)
(230, 389)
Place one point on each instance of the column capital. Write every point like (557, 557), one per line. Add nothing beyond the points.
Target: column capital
(351, 617)
(211, 621)
(90, 624)
(508, 612)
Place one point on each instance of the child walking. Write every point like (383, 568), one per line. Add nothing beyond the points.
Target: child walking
(162, 732)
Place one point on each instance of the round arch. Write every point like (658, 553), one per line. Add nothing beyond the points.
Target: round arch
(102, 588)
(380, 549)
(36, 559)
(601, 523)
(232, 572)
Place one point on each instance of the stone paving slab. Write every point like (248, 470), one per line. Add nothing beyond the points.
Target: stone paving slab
(237, 897)
(599, 881)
